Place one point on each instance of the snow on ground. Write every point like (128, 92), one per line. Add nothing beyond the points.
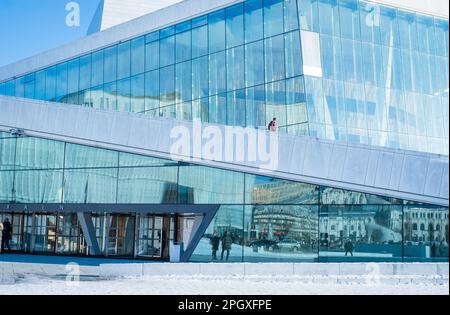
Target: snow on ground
(177, 285)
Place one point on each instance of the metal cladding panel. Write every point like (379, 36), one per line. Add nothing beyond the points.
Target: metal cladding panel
(368, 169)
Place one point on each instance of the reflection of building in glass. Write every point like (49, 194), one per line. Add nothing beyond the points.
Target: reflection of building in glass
(367, 224)
(426, 224)
(281, 192)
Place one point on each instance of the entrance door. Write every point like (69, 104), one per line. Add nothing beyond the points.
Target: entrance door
(121, 235)
(150, 237)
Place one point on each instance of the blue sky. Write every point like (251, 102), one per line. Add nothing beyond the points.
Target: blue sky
(28, 27)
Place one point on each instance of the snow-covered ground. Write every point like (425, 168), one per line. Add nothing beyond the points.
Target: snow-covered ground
(178, 285)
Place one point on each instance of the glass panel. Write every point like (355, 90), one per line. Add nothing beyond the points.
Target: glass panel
(152, 56)
(128, 160)
(329, 17)
(148, 185)
(137, 56)
(10, 88)
(361, 234)
(38, 186)
(123, 60)
(203, 185)
(167, 86)
(61, 81)
(200, 78)
(110, 96)
(50, 84)
(20, 87)
(183, 83)
(121, 235)
(90, 185)
(235, 68)
(85, 72)
(256, 107)
(97, 68)
(281, 233)
(266, 190)
(274, 58)
(7, 152)
(124, 95)
(276, 103)
(152, 90)
(39, 89)
(425, 234)
(293, 54)
(308, 13)
(167, 51)
(138, 94)
(217, 73)
(273, 17)
(254, 63)
(235, 25)
(199, 41)
(290, 15)
(183, 46)
(349, 19)
(82, 156)
(6, 187)
(216, 24)
(254, 26)
(35, 153)
(218, 109)
(223, 238)
(110, 64)
(236, 108)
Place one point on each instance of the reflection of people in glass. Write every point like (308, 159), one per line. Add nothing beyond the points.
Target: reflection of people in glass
(227, 241)
(6, 235)
(215, 241)
(348, 246)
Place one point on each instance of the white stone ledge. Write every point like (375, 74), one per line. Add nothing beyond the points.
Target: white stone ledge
(313, 271)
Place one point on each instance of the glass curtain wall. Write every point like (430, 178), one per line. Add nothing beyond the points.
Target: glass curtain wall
(260, 218)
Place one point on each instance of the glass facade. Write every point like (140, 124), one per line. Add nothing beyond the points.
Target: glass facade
(259, 218)
(384, 81)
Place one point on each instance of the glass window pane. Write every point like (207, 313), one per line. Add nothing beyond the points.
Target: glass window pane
(308, 12)
(370, 22)
(39, 89)
(123, 60)
(152, 90)
(7, 152)
(138, 94)
(425, 234)
(256, 107)
(274, 58)
(361, 233)
(50, 84)
(35, 153)
(254, 63)
(216, 24)
(124, 95)
(329, 17)
(85, 72)
(97, 68)
(10, 87)
(235, 68)
(218, 109)
(200, 41)
(38, 186)
(82, 156)
(61, 82)
(183, 82)
(217, 73)
(167, 86)
(167, 51)
(183, 46)
(349, 19)
(407, 30)
(90, 185)
(293, 54)
(152, 56)
(200, 78)
(254, 26)
(236, 108)
(148, 185)
(110, 64)
(20, 86)
(137, 56)
(269, 238)
(273, 17)
(6, 187)
(290, 15)
(389, 27)
(235, 25)
(276, 103)
(225, 230)
(110, 96)
(73, 76)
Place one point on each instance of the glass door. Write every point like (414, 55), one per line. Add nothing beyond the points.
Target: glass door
(150, 232)
(121, 235)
